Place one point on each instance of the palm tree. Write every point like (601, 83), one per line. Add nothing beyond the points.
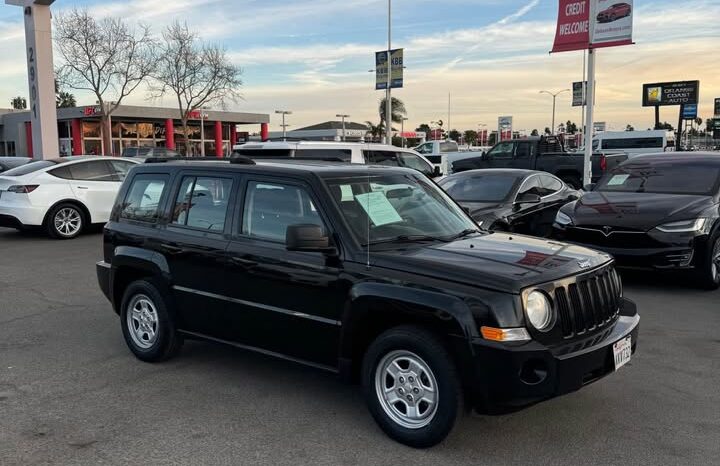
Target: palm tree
(375, 131)
(63, 99)
(398, 110)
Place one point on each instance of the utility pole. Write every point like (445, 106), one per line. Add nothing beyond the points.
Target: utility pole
(202, 132)
(343, 124)
(388, 93)
(284, 126)
(554, 96)
(402, 130)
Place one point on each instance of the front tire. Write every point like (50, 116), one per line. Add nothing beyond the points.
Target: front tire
(411, 386)
(148, 324)
(708, 267)
(65, 221)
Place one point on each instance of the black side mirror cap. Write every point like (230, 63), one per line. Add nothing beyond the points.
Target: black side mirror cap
(308, 238)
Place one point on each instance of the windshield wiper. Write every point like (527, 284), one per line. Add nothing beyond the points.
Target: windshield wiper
(408, 239)
(463, 234)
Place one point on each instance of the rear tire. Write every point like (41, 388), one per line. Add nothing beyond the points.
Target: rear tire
(411, 386)
(65, 221)
(708, 267)
(148, 323)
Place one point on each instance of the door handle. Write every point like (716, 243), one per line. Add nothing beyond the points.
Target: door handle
(82, 187)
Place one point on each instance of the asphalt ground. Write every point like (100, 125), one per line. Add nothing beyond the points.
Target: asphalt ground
(72, 394)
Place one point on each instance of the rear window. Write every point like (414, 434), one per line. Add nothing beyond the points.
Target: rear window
(333, 155)
(480, 188)
(633, 143)
(268, 153)
(142, 202)
(32, 167)
(663, 178)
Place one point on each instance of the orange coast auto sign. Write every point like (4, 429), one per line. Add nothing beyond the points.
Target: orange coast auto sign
(610, 25)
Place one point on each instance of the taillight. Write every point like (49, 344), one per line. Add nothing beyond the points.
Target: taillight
(603, 163)
(23, 189)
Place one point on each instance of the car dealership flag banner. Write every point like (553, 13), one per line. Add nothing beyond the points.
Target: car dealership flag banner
(584, 24)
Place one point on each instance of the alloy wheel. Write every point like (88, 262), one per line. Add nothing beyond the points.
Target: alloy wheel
(68, 222)
(407, 389)
(142, 321)
(715, 261)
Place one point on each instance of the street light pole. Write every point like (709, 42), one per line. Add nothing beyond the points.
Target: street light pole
(554, 96)
(388, 94)
(202, 132)
(402, 130)
(343, 124)
(284, 126)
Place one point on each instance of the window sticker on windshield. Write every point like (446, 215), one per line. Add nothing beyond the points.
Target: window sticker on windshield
(347, 193)
(618, 180)
(378, 208)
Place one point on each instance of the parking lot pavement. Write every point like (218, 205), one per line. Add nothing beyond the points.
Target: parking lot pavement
(71, 393)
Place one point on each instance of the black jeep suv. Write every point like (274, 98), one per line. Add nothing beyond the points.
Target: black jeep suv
(370, 272)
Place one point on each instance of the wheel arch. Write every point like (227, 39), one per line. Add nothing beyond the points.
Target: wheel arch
(131, 264)
(375, 308)
(74, 202)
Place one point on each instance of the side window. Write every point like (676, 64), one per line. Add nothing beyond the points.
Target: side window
(596, 145)
(550, 184)
(120, 169)
(271, 208)
(142, 202)
(532, 185)
(504, 150)
(62, 172)
(523, 151)
(416, 163)
(202, 203)
(446, 147)
(381, 157)
(343, 155)
(97, 170)
(426, 148)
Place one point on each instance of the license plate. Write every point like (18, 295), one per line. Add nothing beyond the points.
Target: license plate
(623, 352)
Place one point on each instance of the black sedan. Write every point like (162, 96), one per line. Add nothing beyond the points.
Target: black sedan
(518, 201)
(655, 211)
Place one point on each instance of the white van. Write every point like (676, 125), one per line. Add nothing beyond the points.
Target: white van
(635, 142)
(347, 152)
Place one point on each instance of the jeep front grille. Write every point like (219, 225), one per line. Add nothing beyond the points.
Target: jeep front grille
(589, 303)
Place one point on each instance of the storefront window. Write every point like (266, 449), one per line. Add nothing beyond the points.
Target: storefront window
(91, 129)
(93, 148)
(63, 129)
(160, 130)
(145, 130)
(129, 130)
(116, 130)
(65, 147)
(226, 132)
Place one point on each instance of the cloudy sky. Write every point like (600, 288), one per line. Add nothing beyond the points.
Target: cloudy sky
(312, 56)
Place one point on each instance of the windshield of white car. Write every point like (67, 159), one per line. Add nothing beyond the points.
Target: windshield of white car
(31, 167)
(671, 177)
(401, 208)
(480, 188)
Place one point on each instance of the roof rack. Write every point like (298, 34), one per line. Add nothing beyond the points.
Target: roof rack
(185, 159)
(242, 160)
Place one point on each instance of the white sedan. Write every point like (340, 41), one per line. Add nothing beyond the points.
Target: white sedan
(63, 195)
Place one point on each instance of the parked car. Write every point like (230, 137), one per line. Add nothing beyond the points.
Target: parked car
(373, 273)
(148, 152)
(8, 163)
(635, 143)
(62, 195)
(346, 152)
(656, 211)
(545, 153)
(615, 12)
(518, 201)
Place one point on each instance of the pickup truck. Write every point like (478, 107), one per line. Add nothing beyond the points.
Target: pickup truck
(438, 152)
(545, 153)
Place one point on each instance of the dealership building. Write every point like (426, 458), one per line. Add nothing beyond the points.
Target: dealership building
(134, 126)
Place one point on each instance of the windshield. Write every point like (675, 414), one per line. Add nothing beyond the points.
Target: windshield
(30, 168)
(398, 207)
(480, 188)
(671, 177)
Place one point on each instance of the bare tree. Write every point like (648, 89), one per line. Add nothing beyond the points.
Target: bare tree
(106, 57)
(194, 73)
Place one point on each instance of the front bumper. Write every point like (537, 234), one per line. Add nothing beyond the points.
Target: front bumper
(525, 373)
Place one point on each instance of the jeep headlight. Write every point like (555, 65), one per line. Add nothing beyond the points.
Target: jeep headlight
(696, 225)
(539, 310)
(563, 219)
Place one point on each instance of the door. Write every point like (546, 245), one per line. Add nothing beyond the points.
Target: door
(96, 185)
(501, 156)
(524, 155)
(285, 302)
(194, 244)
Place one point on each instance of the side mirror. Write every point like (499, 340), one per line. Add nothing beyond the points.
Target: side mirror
(307, 238)
(485, 156)
(528, 198)
(436, 172)
(589, 187)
